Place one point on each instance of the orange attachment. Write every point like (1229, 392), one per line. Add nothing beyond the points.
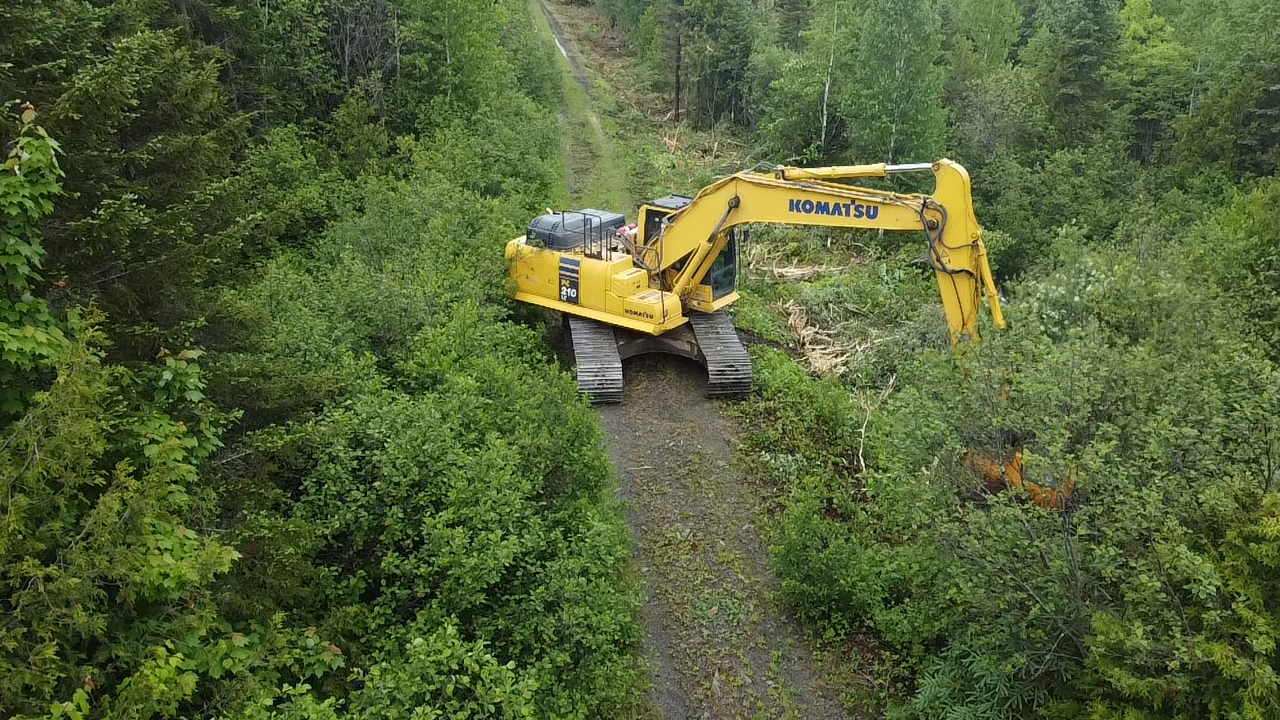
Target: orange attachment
(997, 476)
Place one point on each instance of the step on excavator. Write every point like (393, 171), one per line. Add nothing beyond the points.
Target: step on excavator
(662, 284)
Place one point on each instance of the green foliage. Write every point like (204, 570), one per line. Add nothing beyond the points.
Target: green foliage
(1119, 376)
(990, 29)
(448, 678)
(802, 103)
(792, 108)
(793, 17)
(365, 492)
(1237, 125)
(438, 471)
(627, 12)
(1240, 250)
(1123, 157)
(1184, 84)
(656, 46)
(1075, 41)
(106, 547)
(1154, 76)
(537, 68)
(30, 337)
(110, 570)
(1000, 117)
(864, 86)
(894, 111)
(116, 116)
(1231, 126)
(799, 423)
(717, 40)
(1076, 196)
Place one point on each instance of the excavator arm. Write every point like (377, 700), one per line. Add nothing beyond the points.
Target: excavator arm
(682, 252)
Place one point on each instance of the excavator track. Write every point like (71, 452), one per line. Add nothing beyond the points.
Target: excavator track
(728, 365)
(595, 352)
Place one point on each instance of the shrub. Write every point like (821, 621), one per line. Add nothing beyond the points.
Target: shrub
(1140, 595)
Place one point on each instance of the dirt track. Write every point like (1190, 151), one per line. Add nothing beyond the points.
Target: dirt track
(558, 34)
(716, 641)
(719, 645)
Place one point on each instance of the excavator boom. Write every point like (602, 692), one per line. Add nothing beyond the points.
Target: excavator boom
(797, 196)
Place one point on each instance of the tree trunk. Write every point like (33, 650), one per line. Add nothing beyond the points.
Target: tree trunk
(826, 90)
(679, 70)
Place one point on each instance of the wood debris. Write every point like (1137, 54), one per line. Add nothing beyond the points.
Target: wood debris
(819, 349)
(796, 271)
(761, 260)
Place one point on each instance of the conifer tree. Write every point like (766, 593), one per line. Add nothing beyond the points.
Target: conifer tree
(1075, 41)
(793, 17)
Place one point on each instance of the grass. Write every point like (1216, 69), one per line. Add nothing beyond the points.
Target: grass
(662, 155)
(593, 173)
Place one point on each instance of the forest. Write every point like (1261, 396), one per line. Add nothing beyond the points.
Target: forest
(275, 443)
(1124, 159)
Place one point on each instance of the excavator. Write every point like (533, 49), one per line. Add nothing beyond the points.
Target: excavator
(662, 284)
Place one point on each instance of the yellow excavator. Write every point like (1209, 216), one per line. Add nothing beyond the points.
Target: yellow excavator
(662, 283)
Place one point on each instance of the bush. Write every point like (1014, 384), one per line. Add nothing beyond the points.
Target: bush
(375, 470)
(1142, 594)
(439, 475)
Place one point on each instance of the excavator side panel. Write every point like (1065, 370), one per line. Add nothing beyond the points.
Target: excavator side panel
(609, 289)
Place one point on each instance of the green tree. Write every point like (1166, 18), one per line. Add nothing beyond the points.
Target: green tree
(331, 267)
(893, 110)
(657, 43)
(801, 110)
(978, 41)
(1073, 44)
(793, 18)
(1239, 247)
(1235, 120)
(626, 12)
(1137, 597)
(139, 104)
(717, 39)
(108, 588)
(1153, 77)
(1001, 114)
(991, 28)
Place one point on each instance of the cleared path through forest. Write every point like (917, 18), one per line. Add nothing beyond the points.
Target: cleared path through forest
(718, 644)
(593, 176)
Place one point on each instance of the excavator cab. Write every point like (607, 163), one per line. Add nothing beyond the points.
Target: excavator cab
(723, 276)
(654, 212)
